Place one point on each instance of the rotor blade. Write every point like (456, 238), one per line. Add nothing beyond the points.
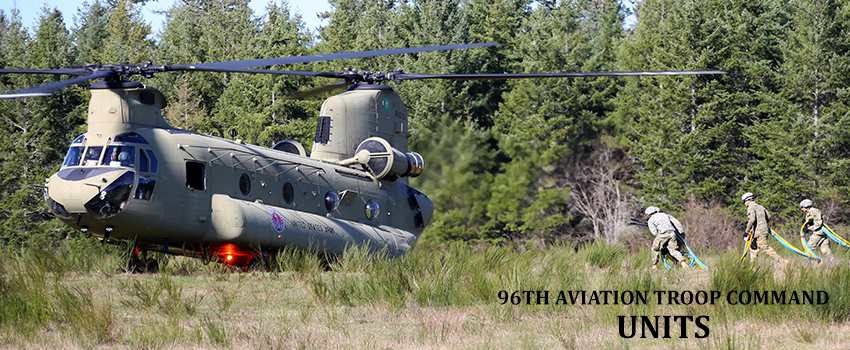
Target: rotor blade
(326, 88)
(412, 76)
(49, 89)
(77, 71)
(265, 62)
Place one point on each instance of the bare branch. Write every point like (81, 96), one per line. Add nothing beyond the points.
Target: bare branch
(597, 195)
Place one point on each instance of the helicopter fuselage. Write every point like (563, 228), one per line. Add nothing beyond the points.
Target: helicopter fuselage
(132, 177)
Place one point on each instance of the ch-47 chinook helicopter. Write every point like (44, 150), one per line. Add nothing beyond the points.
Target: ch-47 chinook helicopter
(134, 178)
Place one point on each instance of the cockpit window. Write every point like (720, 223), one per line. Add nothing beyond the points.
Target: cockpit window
(72, 158)
(144, 163)
(120, 155)
(152, 158)
(144, 190)
(92, 155)
(79, 139)
(147, 161)
(130, 137)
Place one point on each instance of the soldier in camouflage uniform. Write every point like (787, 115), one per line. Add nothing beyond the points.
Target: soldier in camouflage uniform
(759, 222)
(665, 236)
(680, 229)
(678, 225)
(814, 219)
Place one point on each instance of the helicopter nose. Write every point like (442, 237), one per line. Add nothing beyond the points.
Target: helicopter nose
(100, 192)
(111, 199)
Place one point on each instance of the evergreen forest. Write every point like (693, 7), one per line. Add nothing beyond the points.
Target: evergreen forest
(537, 160)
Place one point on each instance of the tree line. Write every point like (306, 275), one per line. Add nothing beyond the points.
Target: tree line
(505, 160)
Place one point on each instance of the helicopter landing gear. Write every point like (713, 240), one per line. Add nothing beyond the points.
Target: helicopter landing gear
(266, 259)
(259, 263)
(140, 263)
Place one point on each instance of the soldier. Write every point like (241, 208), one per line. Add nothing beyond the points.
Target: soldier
(680, 229)
(759, 222)
(814, 219)
(665, 236)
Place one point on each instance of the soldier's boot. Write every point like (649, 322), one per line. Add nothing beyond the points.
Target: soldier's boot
(684, 264)
(655, 267)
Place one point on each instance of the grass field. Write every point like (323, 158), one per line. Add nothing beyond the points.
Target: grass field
(80, 296)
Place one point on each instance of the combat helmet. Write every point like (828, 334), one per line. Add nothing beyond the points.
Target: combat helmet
(651, 210)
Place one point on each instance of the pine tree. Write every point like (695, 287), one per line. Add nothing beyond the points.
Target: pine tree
(184, 109)
(91, 32)
(460, 161)
(426, 23)
(257, 106)
(38, 130)
(360, 25)
(679, 129)
(128, 39)
(814, 77)
(206, 31)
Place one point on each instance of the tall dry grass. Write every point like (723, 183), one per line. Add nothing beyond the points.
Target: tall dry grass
(436, 298)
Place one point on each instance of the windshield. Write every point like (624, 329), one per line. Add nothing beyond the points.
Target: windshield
(92, 156)
(120, 155)
(75, 153)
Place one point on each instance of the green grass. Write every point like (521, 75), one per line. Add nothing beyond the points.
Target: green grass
(602, 255)
(83, 316)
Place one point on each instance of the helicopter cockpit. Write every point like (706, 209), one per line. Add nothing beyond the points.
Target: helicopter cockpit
(89, 161)
(117, 154)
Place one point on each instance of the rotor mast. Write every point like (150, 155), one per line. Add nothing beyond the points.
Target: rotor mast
(362, 112)
(118, 106)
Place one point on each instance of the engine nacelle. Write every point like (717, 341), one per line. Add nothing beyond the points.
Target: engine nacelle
(386, 162)
(292, 146)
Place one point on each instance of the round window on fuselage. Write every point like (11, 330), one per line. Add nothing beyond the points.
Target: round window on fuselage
(372, 209)
(288, 193)
(245, 184)
(331, 201)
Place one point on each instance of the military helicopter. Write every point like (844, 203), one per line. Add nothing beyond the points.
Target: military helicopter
(132, 177)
